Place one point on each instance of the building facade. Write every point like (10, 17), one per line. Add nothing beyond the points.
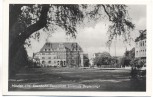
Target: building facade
(60, 55)
(140, 46)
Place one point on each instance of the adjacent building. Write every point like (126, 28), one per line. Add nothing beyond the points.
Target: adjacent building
(140, 46)
(60, 55)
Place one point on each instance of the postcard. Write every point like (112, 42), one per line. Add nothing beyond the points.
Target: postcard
(80, 48)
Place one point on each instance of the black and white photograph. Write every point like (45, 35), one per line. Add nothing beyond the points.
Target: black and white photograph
(77, 47)
(80, 48)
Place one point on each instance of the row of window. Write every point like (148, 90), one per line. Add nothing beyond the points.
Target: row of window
(56, 57)
(53, 50)
(141, 52)
(58, 62)
(141, 43)
(59, 53)
(60, 49)
(53, 53)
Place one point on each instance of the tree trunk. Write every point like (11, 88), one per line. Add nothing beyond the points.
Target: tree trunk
(17, 41)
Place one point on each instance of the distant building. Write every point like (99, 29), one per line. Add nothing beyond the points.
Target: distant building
(140, 46)
(96, 54)
(60, 54)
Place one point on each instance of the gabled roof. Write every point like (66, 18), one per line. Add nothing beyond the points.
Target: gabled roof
(53, 46)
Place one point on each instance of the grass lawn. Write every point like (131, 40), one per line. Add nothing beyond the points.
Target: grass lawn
(74, 79)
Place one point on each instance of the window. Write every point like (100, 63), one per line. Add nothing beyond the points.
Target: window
(43, 57)
(137, 53)
(49, 57)
(43, 62)
(49, 62)
(58, 62)
(64, 63)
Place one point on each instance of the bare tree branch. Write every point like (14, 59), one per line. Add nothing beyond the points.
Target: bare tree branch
(107, 13)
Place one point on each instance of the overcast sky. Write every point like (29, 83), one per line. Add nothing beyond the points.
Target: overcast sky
(93, 39)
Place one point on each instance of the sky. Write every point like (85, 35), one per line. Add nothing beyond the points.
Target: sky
(93, 38)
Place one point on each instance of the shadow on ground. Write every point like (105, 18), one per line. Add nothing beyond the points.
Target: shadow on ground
(75, 79)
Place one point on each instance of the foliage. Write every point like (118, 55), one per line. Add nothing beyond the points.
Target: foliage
(130, 54)
(137, 62)
(128, 57)
(136, 71)
(86, 63)
(106, 59)
(120, 22)
(114, 61)
(68, 17)
(103, 59)
(142, 35)
(65, 16)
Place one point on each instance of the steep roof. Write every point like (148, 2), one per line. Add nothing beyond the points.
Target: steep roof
(67, 45)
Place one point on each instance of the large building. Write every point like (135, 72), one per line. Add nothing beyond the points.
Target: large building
(64, 54)
(140, 46)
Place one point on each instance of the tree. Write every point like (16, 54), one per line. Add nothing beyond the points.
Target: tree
(114, 61)
(128, 57)
(103, 59)
(137, 63)
(25, 21)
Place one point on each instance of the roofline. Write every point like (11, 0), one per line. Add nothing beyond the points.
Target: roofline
(59, 43)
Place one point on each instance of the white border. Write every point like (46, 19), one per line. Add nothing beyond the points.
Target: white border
(70, 93)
